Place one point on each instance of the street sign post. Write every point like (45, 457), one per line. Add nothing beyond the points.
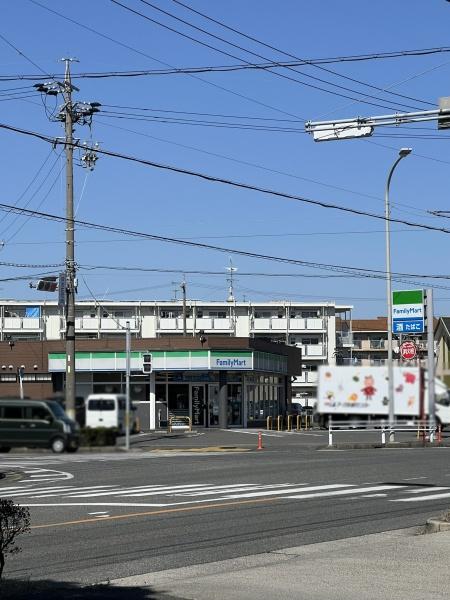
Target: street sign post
(408, 350)
(408, 314)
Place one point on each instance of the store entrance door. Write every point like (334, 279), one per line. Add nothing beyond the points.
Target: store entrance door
(235, 417)
(213, 405)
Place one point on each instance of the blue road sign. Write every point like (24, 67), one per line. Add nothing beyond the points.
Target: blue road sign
(408, 325)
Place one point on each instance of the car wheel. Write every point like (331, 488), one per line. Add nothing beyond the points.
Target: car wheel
(5, 448)
(58, 445)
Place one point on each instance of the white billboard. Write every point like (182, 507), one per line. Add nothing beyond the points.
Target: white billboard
(364, 391)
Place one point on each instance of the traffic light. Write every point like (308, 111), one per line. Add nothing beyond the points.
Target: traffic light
(47, 284)
(147, 363)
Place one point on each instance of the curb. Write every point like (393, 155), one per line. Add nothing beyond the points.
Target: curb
(434, 525)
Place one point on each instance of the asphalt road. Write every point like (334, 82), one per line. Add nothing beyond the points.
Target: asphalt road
(99, 517)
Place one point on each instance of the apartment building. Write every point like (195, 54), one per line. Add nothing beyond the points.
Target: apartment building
(368, 343)
(309, 326)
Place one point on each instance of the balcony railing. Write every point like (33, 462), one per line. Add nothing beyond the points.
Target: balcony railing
(175, 324)
(22, 323)
(294, 324)
(377, 344)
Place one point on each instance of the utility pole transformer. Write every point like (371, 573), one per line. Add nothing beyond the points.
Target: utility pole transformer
(70, 247)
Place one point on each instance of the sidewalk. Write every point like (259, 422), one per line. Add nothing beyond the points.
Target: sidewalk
(395, 565)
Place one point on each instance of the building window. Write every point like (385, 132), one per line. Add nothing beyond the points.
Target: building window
(310, 341)
(310, 314)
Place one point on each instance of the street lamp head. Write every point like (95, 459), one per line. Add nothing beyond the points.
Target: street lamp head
(405, 151)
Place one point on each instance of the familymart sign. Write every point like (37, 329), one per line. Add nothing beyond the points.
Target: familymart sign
(408, 313)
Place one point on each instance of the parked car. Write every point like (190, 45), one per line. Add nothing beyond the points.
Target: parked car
(36, 423)
(108, 410)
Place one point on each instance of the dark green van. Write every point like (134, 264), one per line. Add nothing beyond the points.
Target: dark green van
(36, 424)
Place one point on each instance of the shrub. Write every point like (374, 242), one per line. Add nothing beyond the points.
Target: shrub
(14, 520)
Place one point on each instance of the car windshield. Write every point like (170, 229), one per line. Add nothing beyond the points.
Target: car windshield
(57, 409)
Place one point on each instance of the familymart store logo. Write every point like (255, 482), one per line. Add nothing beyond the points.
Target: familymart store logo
(408, 314)
(226, 360)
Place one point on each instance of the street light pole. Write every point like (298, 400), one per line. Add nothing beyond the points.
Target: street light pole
(387, 212)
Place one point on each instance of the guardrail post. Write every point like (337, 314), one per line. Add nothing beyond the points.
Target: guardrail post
(289, 423)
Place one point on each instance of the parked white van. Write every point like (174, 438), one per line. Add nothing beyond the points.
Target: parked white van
(108, 410)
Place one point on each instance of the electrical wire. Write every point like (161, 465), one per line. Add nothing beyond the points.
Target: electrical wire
(34, 178)
(277, 74)
(229, 182)
(11, 45)
(271, 47)
(257, 166)
(140, 53)
(308, 76)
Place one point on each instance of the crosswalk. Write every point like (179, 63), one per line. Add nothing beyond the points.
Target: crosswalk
(65, 493)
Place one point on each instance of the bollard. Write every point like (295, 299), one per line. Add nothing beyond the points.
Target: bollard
(299, 422)
(439, 434)
(383, 437)
(330, 437)
(289, 423)
(269, 423)
(260, 446)
(279, 423)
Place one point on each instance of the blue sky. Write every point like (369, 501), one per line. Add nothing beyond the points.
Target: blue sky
(133, 196)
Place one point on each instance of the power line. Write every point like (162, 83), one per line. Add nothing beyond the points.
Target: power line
(271, 47)
(11, 45)
(219, 68)
(354, 271)
(257, 165)
(136, 51)
(309, 76)
(191, 38)
(229, 182)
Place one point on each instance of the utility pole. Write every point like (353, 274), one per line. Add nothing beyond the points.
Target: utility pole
(183, 289)
(127, 384)
(70, 246)
(69, 114)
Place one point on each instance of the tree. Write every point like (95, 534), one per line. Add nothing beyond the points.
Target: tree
(14, 520)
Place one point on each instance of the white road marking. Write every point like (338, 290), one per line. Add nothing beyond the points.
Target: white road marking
(422, 498)
(286, 491)
(427, 489)
(373, 496)
(349, 491)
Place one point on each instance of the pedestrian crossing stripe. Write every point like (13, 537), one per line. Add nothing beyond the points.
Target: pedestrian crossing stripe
(198, 493)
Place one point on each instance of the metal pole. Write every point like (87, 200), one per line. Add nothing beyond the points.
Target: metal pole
(127, 385)
(387, 212)
(430, 358)
(70, 249)
(183, 289)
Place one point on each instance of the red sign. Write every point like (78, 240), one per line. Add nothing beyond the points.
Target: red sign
(408, 350)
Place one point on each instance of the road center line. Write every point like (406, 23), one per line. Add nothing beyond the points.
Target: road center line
(150, 513)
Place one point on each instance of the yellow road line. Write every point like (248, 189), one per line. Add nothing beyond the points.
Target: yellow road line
(154, 512)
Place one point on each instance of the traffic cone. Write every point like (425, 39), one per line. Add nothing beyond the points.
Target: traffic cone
(260, 446)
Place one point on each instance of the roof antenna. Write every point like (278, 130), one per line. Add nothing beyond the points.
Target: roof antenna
(230, 280)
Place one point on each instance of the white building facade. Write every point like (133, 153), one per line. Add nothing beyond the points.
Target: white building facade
(310, 326)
